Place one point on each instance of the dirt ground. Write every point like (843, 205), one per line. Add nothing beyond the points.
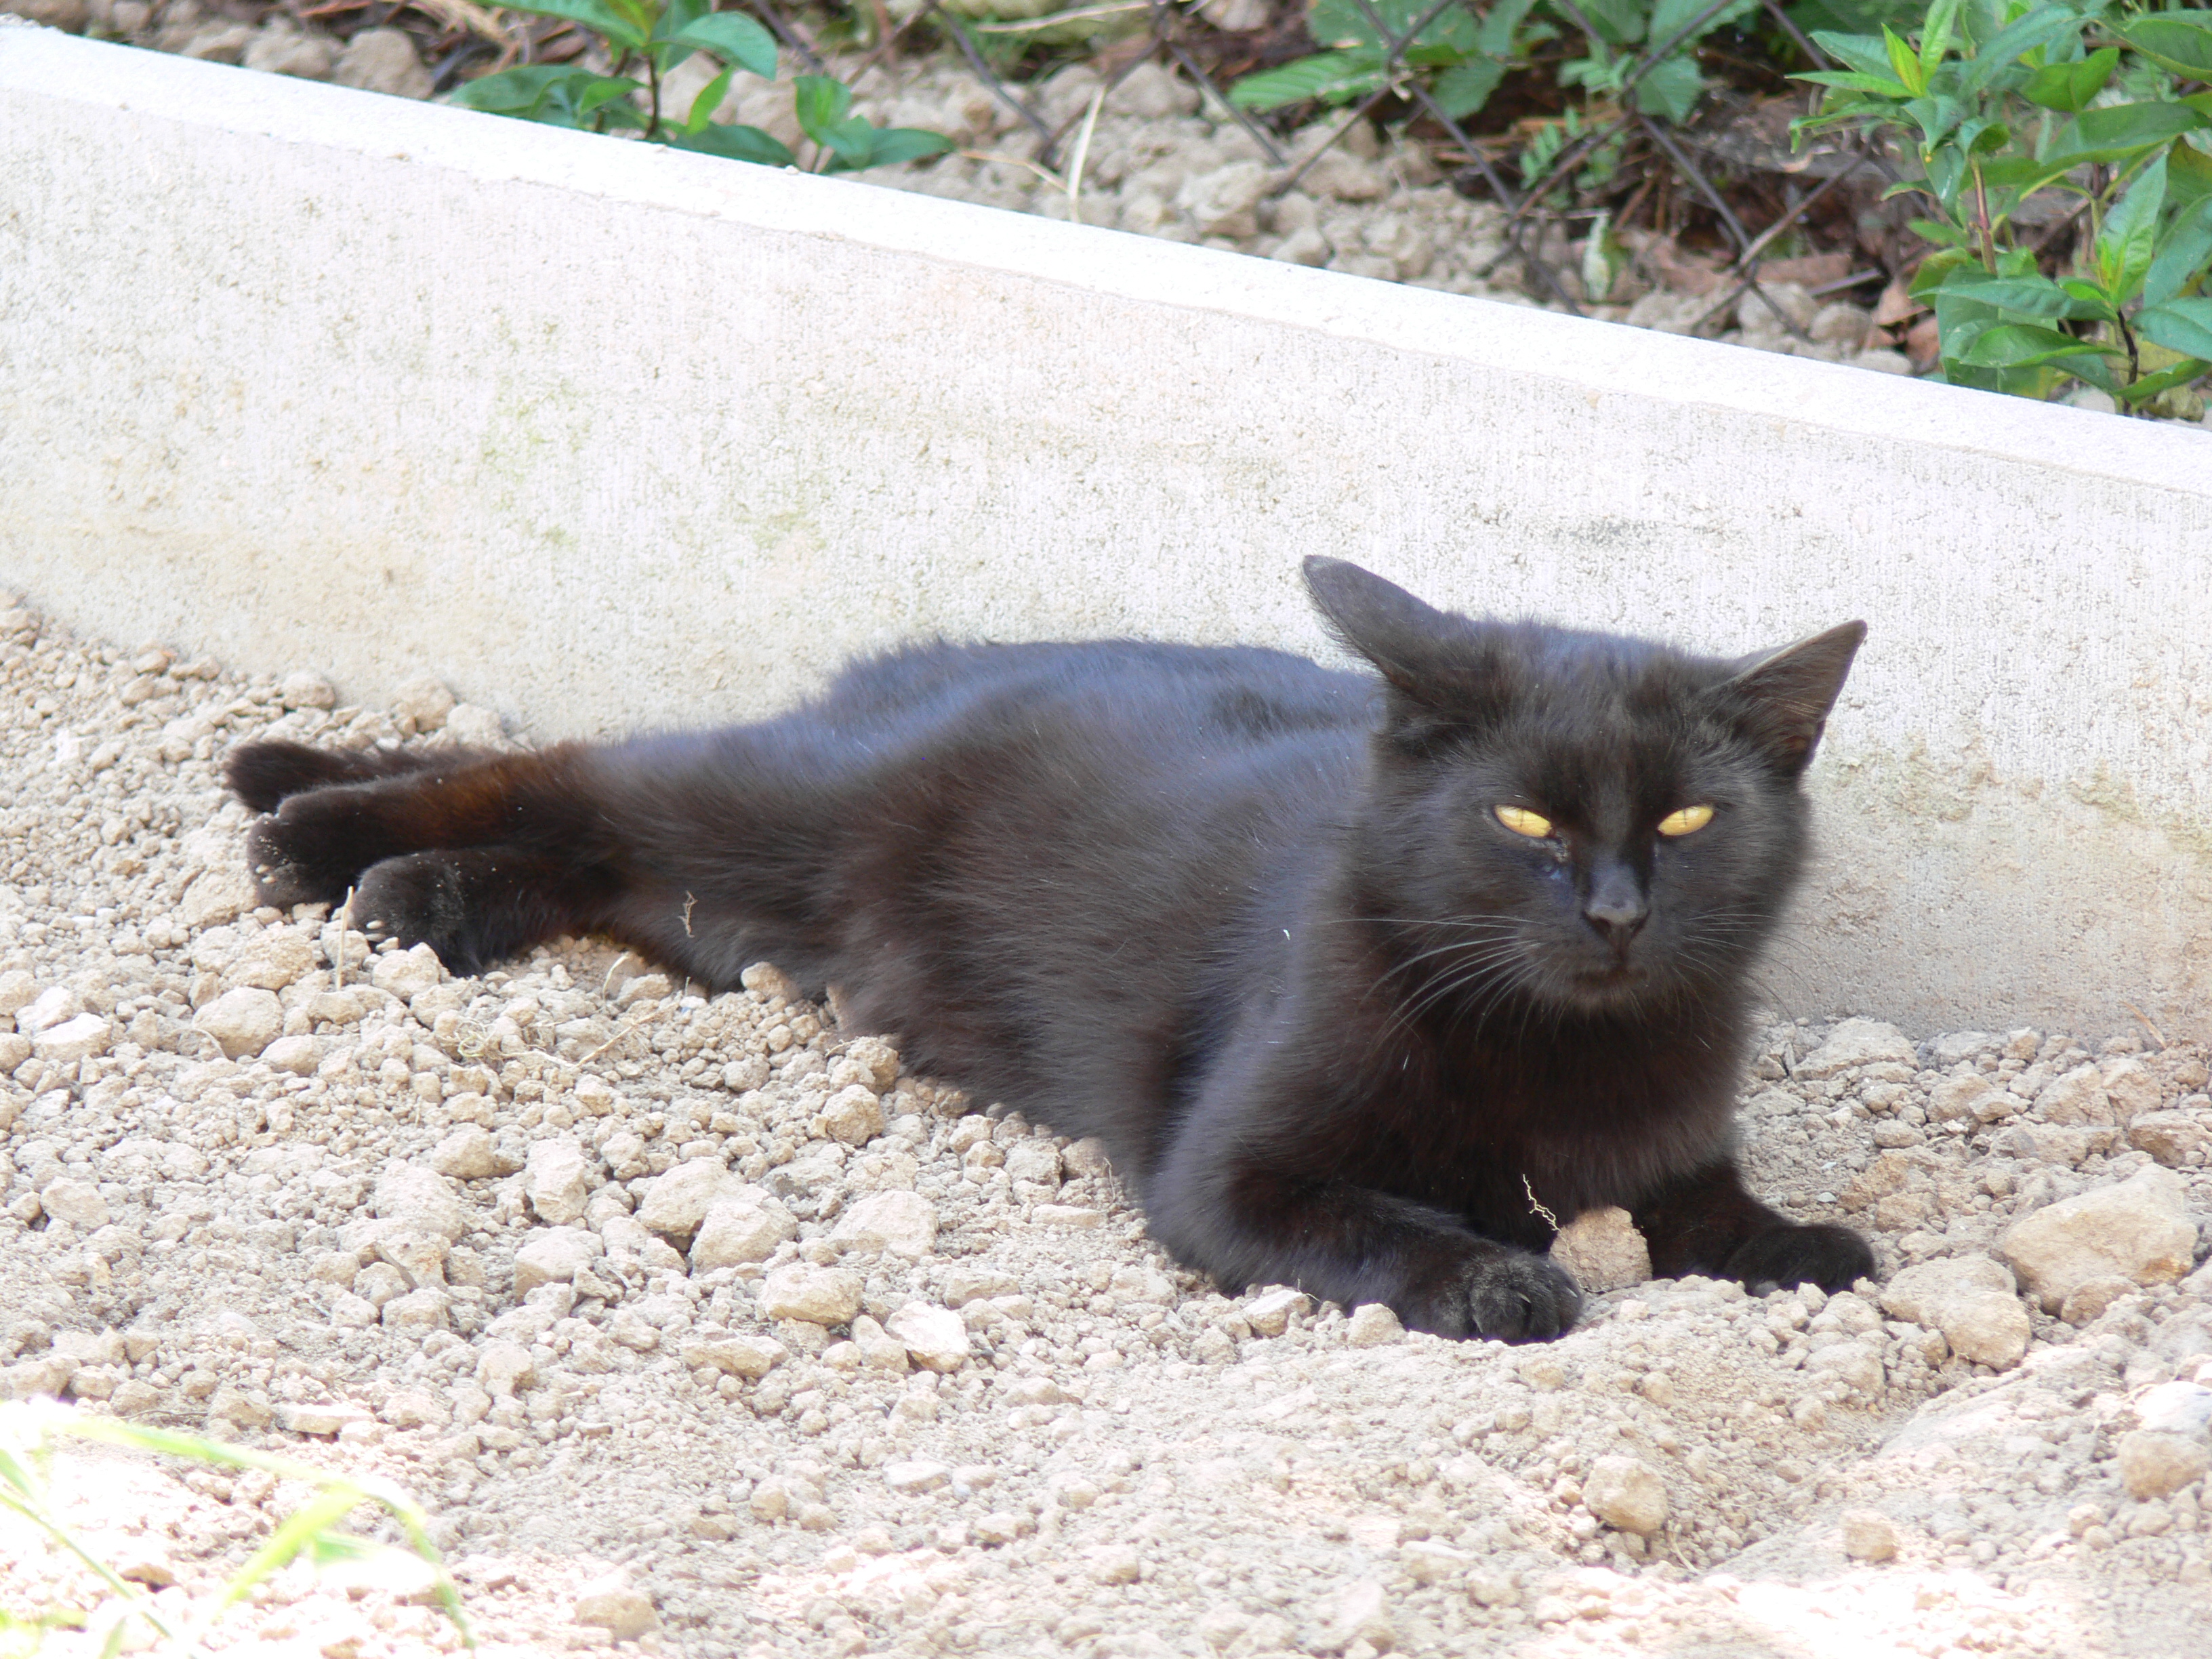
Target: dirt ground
(696, 1323)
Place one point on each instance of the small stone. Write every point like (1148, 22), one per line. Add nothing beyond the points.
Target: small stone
(406, 974)
(1867, 1534)
(78, 1202)
(1269, 1313)
(465, 1153)
(2155, 1462)
(232, 1405)
(2087, 1302)
(743, 1355)
(383, 60)
(1224, 202)
(1117, 1564)
(352, 1312)
(935, 1338)
(1604, 1250)
(311, 1417)
(2174, 1139)
(2078, 1099)
(476, 726)
(417, 1310)
(1971, 1300)
(1066, 1215)
(416, 1197)
(306, 688)
(141, 1561)
(1360, 1612)
(556, 1180)
(272, 960)
(878, 1348)
(612, 1602)
(1626, 1493)
(677, 1202)
(49, 1008)
(2137, 1229)
(216, 897)
(1372, 1325)
(1086, 1158)
(298, 1055)
(413, 1409)
(853, 1115)
(503, 1366)
(739, 1228)
(1429, 1562)
(242, 1022)
(819, 1295)
(554, 1255)
(896, 1221)
(915, 1475)
(423, 698)
(1856, 1042)
(73, 1040)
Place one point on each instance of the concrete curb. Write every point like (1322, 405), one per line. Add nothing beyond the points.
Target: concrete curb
(608, 435)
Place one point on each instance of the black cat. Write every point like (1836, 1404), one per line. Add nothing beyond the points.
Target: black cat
(1361, 984)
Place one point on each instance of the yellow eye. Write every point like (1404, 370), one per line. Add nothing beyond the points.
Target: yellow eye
(1523, 822)
(1688, 822)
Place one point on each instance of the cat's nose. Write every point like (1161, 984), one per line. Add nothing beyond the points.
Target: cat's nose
(1615, 906)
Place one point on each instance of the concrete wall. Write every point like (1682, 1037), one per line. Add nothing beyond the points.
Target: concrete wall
(607, 435)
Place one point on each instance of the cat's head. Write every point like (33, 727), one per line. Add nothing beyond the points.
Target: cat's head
(1576, 821)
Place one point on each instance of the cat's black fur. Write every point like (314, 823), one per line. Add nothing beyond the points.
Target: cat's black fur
(1254, 923)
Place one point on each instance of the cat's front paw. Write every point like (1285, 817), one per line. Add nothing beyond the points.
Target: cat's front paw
(310, 852)
(1496, 1292)
(421, 899)
(1831, 1257)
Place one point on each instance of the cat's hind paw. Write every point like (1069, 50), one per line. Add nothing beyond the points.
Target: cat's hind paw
(264, 774)
(1498, 1292)
(1832, 1257)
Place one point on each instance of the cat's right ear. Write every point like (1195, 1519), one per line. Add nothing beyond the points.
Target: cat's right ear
(1420, 649)
(1782, 697)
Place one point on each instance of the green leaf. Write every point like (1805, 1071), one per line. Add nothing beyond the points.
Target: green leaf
(594, 14)
(2166, 379)
(1497, 34)
(1619, 22)
(1343, 23)
(894, 145)
(738, 143)
(2183, 253)
(2178, 40)
(2125, 240)
(1856, 81)
(1669, 18)
(1333, 77)
(821, 102)
(1463, 89)
(2040, 27)
(1671, 88)
(2023, 346)
(708, 100)
(1903, 64)
(2030, 296)
(2179, 325)
(2121, 131)
(736, 39)
(2098, 302)
(2069, 86)
(2188, 173)
(1943, 235)
(1936, 36)
(1869, 54)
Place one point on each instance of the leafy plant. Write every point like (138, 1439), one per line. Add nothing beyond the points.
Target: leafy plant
(1463, 57)
(2000, 102)
(651, 38)
(29, 1431)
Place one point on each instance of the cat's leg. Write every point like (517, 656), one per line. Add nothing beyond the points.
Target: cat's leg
(262, 775)
(1218, 1207)
(1706, 1223)
(319, 843)
(481, 904)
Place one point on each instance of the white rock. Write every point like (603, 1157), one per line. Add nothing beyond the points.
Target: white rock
(271, 961)
(1604, 1250)
(1627, 1492)
(1867, 1534)
(414, 1408)
(878, 1349)
(475, 725)
(503, 1366)
(2155, 1462)
(18, 991)
(313, 1418)
(2175, 1407)
(878, 1059)
(2174, 1139)
(417, 1310)
(901, 1222)
(417, 1197)
(1360, 1612)
(2131, 1089)
(1856, 1042)
(744, 1226)
(383, 60)
(915, 1475)
(936, 1337)
(423, 699)
(677, 1201)
(819, 1295)
(1222, 203)
(742, 1355)
(554, 1254)
(1269, 1313)
(556, 1180)
(465, 1152)
(853, 1115)
(2137, 1229)
(299, 1055)
(78, 1202)
(49, 1008)
(403, 974)
(2078, 1098)
(242, 1022)
(1971, 1299)
(1372, 1325)
(612, 1602)
(73, 1040)
(216, 897)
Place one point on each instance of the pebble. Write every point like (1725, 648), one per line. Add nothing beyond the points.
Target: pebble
(554, 1255)
(677, 1202)
(741, 1228)
(744, 1355)
(1269, 1313)
(1371, 1326)
(423, 698)
(2137, 1229)
(1855, 1043)
(242, 1022)
(817, 1296)
(465, 1153)
(1603, 1251)
(901, 1222)
(915, 1475)
(935, 1338)
(1360, 1612)
(1867, 1534)
(407, 973)
(612, 1602)
(78, 1202)
(2156, 1462)
(1971, 1299)
(1625, 1492)
(417, 1197)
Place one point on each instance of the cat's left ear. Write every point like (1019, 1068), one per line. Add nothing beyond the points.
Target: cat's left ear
(1414, 644)
(1782, 697)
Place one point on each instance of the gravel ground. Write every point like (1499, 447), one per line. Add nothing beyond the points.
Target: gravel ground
(698, 1322)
